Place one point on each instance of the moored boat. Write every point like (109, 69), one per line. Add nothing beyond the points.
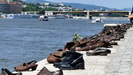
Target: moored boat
(58, 16)
(22, 16)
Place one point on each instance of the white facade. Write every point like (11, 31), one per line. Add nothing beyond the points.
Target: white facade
(48, 12)
(61, 4)
(45, 3)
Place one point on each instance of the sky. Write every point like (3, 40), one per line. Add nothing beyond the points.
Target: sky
(119, 4)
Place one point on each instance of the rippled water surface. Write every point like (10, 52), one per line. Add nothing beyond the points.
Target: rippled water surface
(23, 40)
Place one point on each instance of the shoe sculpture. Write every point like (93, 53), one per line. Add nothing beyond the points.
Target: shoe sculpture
(27, 66)
(55, 57)
(7, 72)
(71, 61)
(100, 52)
(45, 71)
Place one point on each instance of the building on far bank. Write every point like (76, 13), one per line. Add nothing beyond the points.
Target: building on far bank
(10, 6)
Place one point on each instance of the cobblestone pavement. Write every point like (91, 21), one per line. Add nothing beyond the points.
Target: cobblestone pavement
(122, 62)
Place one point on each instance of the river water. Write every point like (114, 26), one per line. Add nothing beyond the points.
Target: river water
(23, 40)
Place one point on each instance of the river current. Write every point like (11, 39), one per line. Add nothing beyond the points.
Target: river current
(23, 40)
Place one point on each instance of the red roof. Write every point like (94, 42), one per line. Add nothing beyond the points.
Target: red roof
(11, 2)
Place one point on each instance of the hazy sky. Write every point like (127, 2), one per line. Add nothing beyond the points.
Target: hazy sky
(107, 3)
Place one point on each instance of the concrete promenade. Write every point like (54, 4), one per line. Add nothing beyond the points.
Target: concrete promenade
(119, 62)
(122, 61)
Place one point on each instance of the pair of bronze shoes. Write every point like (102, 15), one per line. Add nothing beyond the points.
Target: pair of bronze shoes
(99, 52)
(45, 71)
(27, 66)
(5, 71)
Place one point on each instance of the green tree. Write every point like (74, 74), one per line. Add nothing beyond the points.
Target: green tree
(30, 7)
(76, 37)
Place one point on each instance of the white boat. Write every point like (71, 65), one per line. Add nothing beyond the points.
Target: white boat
(22, 16)
(113, 24)
(97, 20)
(58, 16)
(43, 18)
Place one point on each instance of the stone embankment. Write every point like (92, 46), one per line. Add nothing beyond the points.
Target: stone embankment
(122, 61)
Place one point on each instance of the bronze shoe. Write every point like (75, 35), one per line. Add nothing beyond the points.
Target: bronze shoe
(98, 52)
(45, 71)
(5, 71)
(26, 66)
